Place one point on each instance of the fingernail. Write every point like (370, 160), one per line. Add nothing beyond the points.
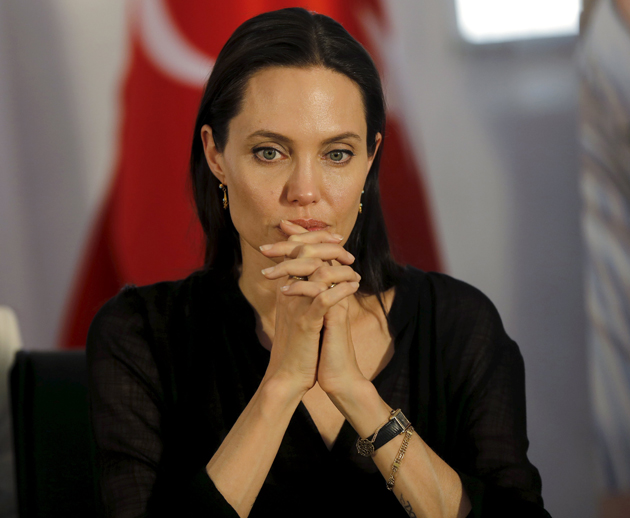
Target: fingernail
(338, 236)
(359, 276)
(268, 270)
(265, 247)
(354, 284)
(351, 256)
(284, 288)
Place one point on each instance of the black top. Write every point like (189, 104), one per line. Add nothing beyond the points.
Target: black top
(173, 365)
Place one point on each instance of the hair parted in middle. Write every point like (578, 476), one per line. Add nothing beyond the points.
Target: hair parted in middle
(292, 37)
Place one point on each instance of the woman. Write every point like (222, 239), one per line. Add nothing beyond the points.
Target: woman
(277, 380)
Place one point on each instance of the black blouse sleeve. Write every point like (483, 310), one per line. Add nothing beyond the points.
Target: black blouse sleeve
(485, 377)
(126, 405)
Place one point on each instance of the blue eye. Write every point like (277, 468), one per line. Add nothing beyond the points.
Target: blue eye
(340, 155)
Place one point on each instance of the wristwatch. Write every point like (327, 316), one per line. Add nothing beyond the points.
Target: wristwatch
(396, 425)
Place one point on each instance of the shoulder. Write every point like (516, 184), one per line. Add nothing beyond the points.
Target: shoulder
(161, 297)
(465, 324)
(448, 297)
(140, 312)
(455, 300)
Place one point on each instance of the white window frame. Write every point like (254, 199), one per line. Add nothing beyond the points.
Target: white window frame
(471, 30)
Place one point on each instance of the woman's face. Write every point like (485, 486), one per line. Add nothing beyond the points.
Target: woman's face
(297, 151)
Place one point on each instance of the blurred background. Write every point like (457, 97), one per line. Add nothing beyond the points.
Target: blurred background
(494, 132)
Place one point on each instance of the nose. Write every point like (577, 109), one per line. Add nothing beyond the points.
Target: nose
(303, 187)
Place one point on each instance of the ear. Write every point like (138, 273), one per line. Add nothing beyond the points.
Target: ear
(378, 139)
(213, 156)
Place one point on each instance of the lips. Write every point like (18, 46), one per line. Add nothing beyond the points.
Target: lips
(310, 224)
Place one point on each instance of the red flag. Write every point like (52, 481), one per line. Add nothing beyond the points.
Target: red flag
(147, 230)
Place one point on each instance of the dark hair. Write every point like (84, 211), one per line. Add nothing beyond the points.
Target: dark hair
(292, 37)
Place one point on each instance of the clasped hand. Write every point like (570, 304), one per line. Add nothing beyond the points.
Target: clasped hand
(309, 310)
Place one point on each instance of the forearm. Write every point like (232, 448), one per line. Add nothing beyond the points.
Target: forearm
(242, 462)
(425, 485)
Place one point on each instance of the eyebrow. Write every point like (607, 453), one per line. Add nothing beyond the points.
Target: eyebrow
(282, 138)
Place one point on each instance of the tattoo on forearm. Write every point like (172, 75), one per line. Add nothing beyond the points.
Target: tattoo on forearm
(407, 507)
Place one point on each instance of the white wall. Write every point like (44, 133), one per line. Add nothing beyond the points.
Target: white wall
(499, 133)
(497, 128)
(61, 62)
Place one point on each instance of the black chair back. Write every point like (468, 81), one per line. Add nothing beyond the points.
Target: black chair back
(54, 449)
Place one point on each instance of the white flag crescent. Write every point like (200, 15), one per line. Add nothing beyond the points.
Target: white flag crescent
(168, 48)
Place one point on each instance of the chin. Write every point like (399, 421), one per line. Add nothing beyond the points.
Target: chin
(285, 236)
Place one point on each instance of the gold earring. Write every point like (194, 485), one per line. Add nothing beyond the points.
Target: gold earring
(361, 205)
(225, 198)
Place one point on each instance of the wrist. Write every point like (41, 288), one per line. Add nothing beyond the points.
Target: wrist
(352, 392)
(362, 406)
(281, 390)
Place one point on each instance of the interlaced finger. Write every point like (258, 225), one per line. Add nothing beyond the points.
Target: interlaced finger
(334, 274)
(331, 296)
(323, 251)
(319, 290)
(317, 236)
(303, 267)
(324, 278)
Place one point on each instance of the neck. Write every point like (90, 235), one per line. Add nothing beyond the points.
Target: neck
(259, 291)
